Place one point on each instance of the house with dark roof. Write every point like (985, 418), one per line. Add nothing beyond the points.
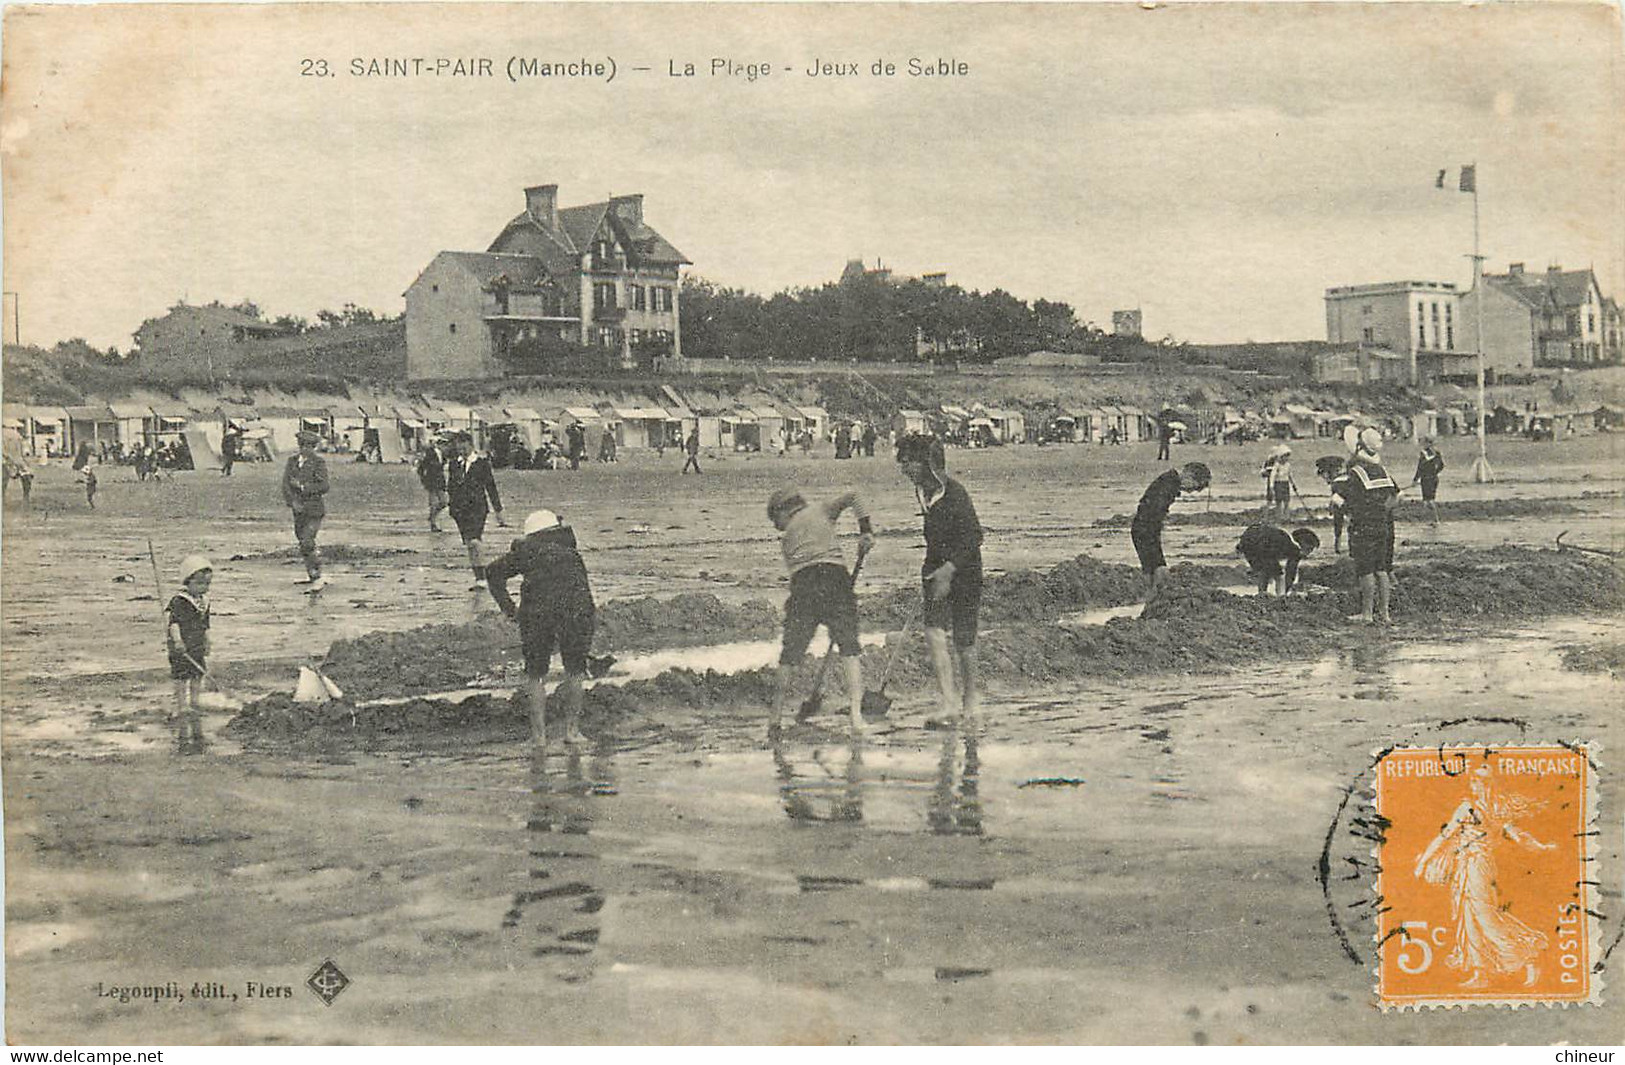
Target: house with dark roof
(1553, 318)
(200, 340)
(596, 275)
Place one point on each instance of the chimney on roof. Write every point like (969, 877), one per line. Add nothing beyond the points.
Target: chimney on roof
(1554, 269)
(1515, 271)
(629, 209)
(542, 204)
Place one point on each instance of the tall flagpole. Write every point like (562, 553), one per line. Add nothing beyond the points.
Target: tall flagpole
(1481, 466)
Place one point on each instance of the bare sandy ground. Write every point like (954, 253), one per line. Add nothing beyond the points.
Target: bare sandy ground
(1109, 860)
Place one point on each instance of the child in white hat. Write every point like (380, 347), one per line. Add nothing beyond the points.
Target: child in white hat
(187, 639)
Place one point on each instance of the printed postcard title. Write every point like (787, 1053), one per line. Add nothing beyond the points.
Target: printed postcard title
(607, 69)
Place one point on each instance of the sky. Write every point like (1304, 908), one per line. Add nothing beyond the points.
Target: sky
(1217, 165)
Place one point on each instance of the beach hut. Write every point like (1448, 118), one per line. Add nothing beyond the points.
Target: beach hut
(14, 420)
(1113, 425)
(1138, 425)
(909, 421)
(131, 421)
(592, 427)
(212, 423)
(528, 421)
(170, 419)
(817, 421)
(282, 426)
(1009, 426)
(48, 428)
(680, 420)
(409, 423)
(740, 432)
(769, 427)
(795, 423)
(92, 424)
(639, 426)
(318, 420)
(1302, 422)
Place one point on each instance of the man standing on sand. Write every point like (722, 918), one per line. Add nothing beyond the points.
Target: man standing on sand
(432, 475)
(469, 485)
(577, 437)
(304, 483)
(692, 447)
(230, 441)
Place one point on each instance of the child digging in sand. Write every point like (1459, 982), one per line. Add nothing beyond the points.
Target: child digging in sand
(1267, 547)
(820, 591)
(555, 608)
(1146, 528)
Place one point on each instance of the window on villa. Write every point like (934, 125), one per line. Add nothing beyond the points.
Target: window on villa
(453, 327)
(635, 295)
(1421, 333)
(1368, 334)
(603, 295)
(660, 298)
(637, 338)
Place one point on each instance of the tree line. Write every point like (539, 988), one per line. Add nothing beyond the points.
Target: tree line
(871, 318)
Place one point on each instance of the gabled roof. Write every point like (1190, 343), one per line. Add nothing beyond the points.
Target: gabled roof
(581, 223)
(522, 271)
(1571, 286)
(563, 247)
(1566, 288)
(551, 247)
(1529, 295)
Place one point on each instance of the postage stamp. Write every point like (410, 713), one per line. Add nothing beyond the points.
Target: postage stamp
(1485, 892)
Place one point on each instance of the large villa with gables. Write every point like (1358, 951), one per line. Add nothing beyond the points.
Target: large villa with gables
(596, 275)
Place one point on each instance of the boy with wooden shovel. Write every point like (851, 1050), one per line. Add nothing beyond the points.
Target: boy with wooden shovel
(820, 592)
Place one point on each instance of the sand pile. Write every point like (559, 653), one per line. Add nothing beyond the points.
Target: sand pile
(1080, 583)
(1503, 582)
(1410, 510)
(1194, 629)
(442, 657)
(1606, 657)
(330, 553)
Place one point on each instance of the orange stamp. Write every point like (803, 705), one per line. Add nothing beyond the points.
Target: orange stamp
(1484, 883)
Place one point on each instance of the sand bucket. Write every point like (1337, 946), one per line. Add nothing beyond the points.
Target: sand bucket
(310, 688)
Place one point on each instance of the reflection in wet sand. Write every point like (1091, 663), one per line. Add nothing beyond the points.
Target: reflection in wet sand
(956, 806)
(1372, 663)
(562, 905)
